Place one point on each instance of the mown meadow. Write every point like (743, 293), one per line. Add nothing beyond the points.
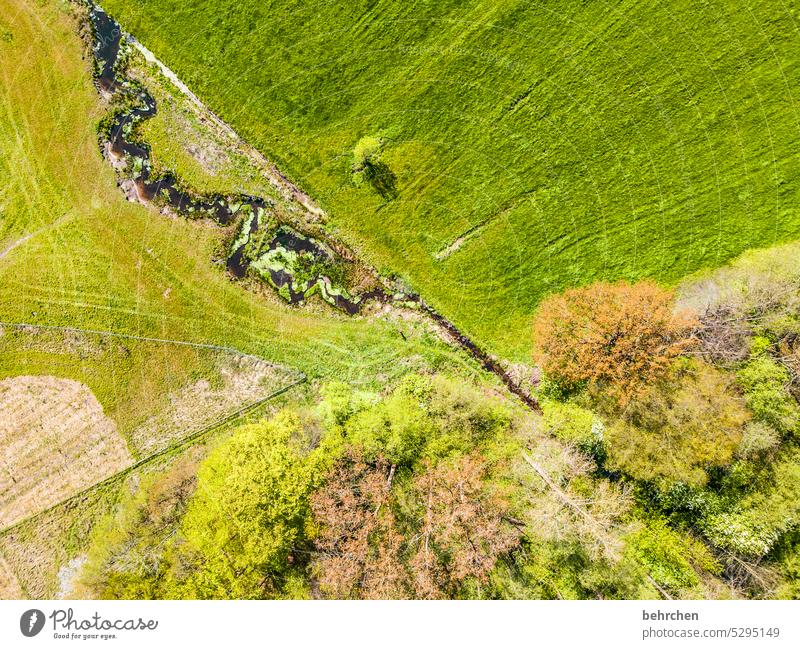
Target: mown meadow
(525, 148)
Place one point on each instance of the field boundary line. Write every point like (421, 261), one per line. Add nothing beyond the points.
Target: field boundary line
(187, 440)
(185, 343)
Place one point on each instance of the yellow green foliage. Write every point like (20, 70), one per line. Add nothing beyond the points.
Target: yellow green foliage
(365, 151)
(679, 428)
(764, 382)
(672, 559)
(761, 517)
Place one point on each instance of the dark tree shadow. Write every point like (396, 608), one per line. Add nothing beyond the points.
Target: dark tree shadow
(382, 179)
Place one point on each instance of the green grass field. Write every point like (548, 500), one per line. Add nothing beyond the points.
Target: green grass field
(73, 252)
(204, 159)
(572, 141)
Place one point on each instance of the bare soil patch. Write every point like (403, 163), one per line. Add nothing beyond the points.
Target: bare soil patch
(238, 382)
(54, 441)
(9, 586)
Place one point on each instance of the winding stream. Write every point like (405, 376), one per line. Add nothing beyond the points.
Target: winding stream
(293, 263)
(108, 39)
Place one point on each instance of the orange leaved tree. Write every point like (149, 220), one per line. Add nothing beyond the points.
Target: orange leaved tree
(618, 337)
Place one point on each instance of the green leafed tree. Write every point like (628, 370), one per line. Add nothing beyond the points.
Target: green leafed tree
(248, 515)
(366, 152)
(678, 428)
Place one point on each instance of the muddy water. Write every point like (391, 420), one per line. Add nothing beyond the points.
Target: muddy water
(165, 189)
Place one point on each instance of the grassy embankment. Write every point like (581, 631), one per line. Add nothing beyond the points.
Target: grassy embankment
(574, 143)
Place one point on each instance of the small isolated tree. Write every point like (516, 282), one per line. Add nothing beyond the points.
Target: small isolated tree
(366, 152)
(368, 166)
(618, 337)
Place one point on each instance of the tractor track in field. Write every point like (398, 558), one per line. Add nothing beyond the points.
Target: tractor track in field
(149, 339)
(27, 237)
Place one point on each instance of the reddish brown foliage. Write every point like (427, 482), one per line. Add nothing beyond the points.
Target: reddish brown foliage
(358, 544)
(455, 532)
(462, 531)
(616, 336)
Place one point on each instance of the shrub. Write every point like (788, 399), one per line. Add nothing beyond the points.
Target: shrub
(760, 345)
(789, 565)
(366, 152)
(465, 418)
(668, 556)
(368, 166)
(758, 519)
(758, 439)
(563, 569)
(764, 382)
(396, 428)
(129, 555)
(569, 422)
(740, 533)
(618, 337)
